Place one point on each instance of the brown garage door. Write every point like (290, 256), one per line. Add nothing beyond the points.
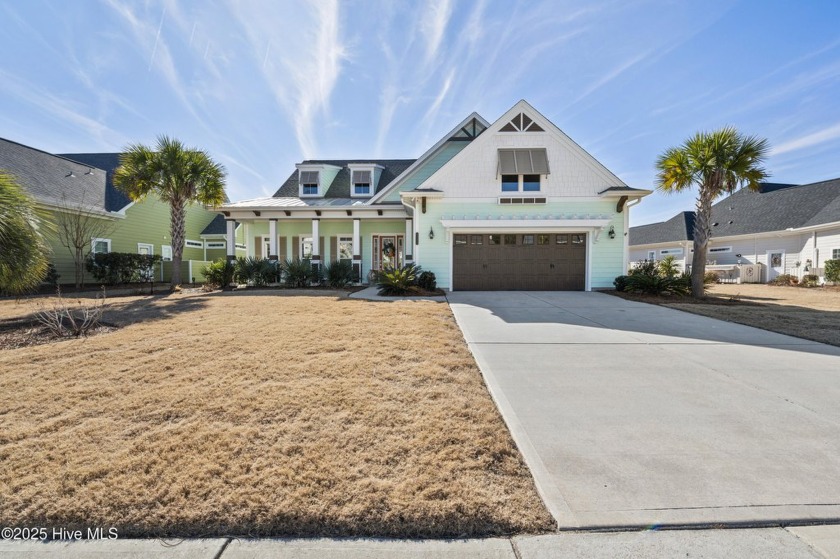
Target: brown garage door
(537, 262)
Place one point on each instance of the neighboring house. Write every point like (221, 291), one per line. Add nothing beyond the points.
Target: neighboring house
(511, 205)
(784, 228)
(71, 183)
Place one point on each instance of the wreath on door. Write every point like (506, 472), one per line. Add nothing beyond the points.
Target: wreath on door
(389, 250)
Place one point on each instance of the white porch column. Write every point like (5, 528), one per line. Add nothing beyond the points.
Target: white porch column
(272, 239)
(316, 244)
(249, 242)
(408, 242)
(230, 239)
(357, 249)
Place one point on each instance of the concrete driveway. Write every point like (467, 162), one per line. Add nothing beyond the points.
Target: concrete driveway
(635, 415)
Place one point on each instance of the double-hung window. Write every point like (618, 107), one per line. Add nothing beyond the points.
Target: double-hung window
(100, 246)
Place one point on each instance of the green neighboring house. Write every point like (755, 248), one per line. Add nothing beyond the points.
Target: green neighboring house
(515, 204)
(80, 184)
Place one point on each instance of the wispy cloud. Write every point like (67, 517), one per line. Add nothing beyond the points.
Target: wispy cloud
(433, 26)
(61, 110)
(302, 67)
(809, 140)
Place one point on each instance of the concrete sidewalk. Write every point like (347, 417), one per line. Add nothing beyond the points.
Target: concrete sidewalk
(766, 543)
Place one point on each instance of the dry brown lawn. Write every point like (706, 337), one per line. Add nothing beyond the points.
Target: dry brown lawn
(809, 313)
(260, 414)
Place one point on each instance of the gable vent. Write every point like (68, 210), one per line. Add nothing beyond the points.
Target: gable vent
(521, 123)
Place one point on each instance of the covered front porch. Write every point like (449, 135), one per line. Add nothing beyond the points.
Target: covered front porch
(370, 242)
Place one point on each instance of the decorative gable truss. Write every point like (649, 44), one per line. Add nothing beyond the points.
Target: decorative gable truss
(469, 131)
(521, 123)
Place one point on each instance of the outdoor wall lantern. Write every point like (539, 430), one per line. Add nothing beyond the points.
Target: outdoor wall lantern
(431, 233)
(611, 232)
(808, 264)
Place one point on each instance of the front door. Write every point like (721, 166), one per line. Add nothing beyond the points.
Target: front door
(775, 263)
(387, 251)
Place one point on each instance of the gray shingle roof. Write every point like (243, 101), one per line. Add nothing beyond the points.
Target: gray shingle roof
(216, 227)
(54, 179)
(678, 228)
(115, 200)
(340, 187)
(775, 207)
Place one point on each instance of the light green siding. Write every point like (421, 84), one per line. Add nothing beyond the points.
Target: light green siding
(606, 256)
(144, 222)
(288, 229)
(418, 176)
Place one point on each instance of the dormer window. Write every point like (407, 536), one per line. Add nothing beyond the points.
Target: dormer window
(309, 183)
(362, 181)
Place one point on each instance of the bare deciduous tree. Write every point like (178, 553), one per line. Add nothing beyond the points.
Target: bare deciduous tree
(77, 225)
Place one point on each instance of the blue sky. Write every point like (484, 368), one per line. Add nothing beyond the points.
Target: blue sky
(262, 85)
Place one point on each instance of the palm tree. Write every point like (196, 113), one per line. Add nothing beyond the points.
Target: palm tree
(23, 251)
(177, 175)
(717, 163)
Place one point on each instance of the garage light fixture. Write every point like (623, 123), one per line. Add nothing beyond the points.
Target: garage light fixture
(431, 233)
(611, 232)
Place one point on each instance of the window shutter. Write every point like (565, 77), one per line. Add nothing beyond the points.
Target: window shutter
(333, 249)
(361, 177)
(507, 162)
(295, 247)
(281, 247)
(539, 159)
(309, 177)
(258, 247)
(321, 248)
(523, 161)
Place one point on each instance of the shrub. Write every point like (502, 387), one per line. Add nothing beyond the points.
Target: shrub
(810, 280)
(398, 281)
(256, 271)
(644, 268)
(832, 271)
(115, 268)
(667, 267)
(620, 283)
(427, 281)
(339, 274)
(298, 273)
(784, 279)
(219, 273)
(711, 277)
(63, 321)
(52, 276)
(658, 284)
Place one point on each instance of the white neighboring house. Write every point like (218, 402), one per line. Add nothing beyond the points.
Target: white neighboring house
(784, 228)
